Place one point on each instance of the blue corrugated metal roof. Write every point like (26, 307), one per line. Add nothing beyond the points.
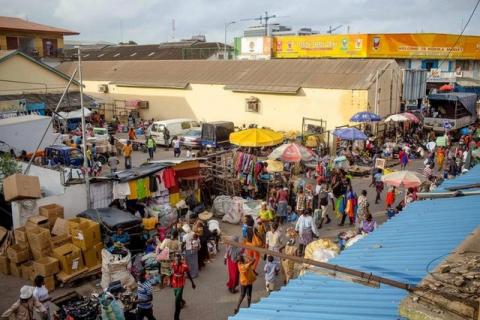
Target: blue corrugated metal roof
(472, 176)
(400, 249)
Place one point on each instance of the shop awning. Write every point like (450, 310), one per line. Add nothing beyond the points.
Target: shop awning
(77, 114)
(468, 100)
(140, 172)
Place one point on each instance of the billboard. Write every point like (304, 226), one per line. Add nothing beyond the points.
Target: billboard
(403, 45)
(321, 46)
(423, 46)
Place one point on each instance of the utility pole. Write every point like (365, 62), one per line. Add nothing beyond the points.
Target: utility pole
(84, 136)
(225, 57)
(267, 17)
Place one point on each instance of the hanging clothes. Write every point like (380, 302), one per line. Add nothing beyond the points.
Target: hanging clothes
(143, 190)
(132, 184)
(120, 190)
(169, 178)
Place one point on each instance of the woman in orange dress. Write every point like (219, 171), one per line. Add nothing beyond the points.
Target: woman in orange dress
(440, 158)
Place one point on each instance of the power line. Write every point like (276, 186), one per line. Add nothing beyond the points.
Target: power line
(461, 33)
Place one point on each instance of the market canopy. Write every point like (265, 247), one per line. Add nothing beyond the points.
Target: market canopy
(255, 137)
(292, 152)
(349, 134)
(274, 166)
(411, 117)
(396, 118)
(77, 114)
(365, 116)
(405, 178)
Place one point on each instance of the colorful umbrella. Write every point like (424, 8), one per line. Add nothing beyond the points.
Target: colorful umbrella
(349, 134)
(406, 179)
(396, 118)
(256, 138)
(274, 166)
(292, 152)
(365, 116)
(411, 117)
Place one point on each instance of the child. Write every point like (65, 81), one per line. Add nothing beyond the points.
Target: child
(291, 216)
(271, 270)
(390, 212)
(150, 247)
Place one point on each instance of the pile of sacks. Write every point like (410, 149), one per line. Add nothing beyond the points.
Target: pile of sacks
(116, 267)
(232, 209)
(321, 250)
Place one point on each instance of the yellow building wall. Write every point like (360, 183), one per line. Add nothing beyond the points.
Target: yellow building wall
(37, 38)
(41, 80)
(213, 103)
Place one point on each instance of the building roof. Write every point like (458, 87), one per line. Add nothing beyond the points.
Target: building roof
(265, 76)
(17, 24)
(21, 119)
(71, 101)
(189, 49)
(471, 177)
(404, 248)
(7, 54)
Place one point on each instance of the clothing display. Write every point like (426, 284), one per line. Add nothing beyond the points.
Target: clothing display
(121, 190)
(168, 178)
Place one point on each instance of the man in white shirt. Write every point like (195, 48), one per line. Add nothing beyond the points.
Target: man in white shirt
(306, 228)
(176, 147)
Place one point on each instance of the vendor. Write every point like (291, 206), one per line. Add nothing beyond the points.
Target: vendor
(121, 237)
(265, 214)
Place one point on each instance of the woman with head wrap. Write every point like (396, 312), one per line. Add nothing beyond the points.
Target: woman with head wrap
(232, 256)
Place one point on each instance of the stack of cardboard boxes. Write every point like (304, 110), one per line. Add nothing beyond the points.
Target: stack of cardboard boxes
(53, 247)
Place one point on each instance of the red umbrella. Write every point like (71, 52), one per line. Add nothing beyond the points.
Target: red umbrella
(292, 152)
(446, 87)
(411, 117)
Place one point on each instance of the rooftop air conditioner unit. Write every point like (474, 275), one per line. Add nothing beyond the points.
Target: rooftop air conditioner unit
(103, 88)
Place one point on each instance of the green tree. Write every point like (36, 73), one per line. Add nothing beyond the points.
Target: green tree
(8, 166)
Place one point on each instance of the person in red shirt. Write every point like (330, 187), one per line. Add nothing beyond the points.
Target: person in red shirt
(179, 270)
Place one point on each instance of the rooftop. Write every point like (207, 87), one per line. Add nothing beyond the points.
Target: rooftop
(278, 76)
(21, 119)
(17, 24)
(402, 249)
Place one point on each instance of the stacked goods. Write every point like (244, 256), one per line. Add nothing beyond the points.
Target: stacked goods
(4, 265)
(70, 259)
(27, 271)
(37, 222)
(20, 187)
(51, 212)
(115, 267)
(39, 240)
(60, 240)
(86, 235)
(17, 254)
(47, 267)
(21, 236)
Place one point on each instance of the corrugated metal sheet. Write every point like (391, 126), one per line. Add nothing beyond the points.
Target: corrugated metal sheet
(352, 74)
(401, 249)
(472, 176)
(414, 84)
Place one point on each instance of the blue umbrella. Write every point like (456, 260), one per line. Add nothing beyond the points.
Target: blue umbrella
(365, 116)
(349, 134)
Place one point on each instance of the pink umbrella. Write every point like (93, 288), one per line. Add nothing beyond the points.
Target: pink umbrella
(291, 152)
(411, 117)
(406, 179)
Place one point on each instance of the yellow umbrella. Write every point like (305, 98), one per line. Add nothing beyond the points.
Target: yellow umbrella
(256, 138)
(274, 166)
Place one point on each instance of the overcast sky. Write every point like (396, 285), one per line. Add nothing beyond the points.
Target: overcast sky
(150, 21)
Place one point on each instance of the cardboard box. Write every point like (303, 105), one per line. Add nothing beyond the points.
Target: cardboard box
(70, 258)
(52, 212)
(60, 227)
(39, 238)
(46, 266)
(85, 233)
(37, 222)
(98, 248)
(4, 264)
(15, 269)
(19, 186)
(21, 235)
(50, 283)
(27, 270)
(90, 257)
(60, 240)
(40, 253)
(18, 253)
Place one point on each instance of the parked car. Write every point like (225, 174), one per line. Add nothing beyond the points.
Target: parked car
(192, 139)
(216, 134)
(64, 155)
(176, 127)
(100, 133)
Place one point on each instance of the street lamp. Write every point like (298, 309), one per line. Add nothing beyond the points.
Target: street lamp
(225, 57)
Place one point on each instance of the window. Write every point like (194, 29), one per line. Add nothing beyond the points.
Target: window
(252, 104)
(151, 54)
(116, 55)
(186, 125)
(100, 55)
(462, 65)
(133, 54)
